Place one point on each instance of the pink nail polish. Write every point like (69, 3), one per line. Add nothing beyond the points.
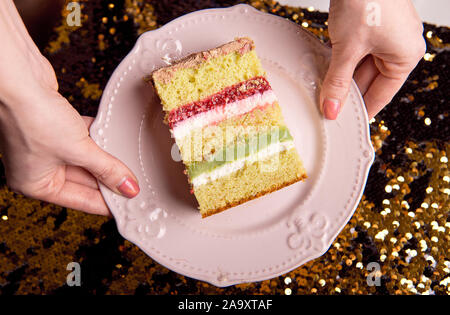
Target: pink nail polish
(331, 108)
(128, 187)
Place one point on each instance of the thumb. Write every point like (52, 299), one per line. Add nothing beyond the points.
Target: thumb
(337, 81)
(109, 170)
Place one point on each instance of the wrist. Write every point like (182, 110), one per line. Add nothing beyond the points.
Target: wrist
(27, 80)
(22, 97)
(25, 72)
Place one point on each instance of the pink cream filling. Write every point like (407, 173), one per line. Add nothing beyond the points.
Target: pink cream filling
(220, 113)
(231, 94)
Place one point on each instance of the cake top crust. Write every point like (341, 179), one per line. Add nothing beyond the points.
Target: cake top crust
(242, 45)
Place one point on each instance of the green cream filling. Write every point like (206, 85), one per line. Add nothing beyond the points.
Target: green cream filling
(237, 151)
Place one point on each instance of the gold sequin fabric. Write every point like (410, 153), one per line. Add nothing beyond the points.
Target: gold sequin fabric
(402, 223)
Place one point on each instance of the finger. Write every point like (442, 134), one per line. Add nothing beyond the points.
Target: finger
(381, 92)
(107, 169)
(337, 80)
(76, 174)
(80, 197)
(365, 73)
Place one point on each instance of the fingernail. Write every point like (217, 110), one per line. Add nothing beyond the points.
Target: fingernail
(331, 108)
(128, 187)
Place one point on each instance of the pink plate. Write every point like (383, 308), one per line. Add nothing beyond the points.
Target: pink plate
(265, 237)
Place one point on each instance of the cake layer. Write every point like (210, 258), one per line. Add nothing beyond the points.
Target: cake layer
(217, 115)
(195, 83)
(251, 181)
(250, 149)
(241, 45)
(217, 172)
(254, 91)
(211, 138)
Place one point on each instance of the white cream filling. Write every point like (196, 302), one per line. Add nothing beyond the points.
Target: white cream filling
(185, 127)
(234, 166)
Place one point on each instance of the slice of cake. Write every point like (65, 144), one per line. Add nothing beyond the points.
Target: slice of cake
(227, 123)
